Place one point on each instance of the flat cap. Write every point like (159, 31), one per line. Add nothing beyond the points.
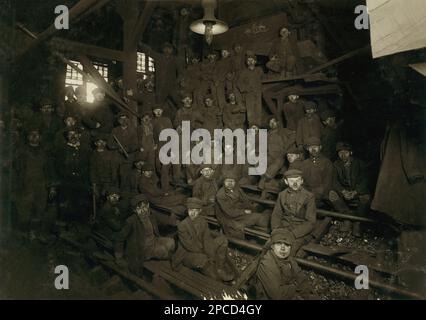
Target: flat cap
(158, 106)
(112, 190)
(45, 102)
(282, 235)
(250, 54)
(100, 136)
(194, 203)
(185, 95)
(230, 175)
(139, 156)
(204, 166)
(327, 113)
(167, 45)
(313, 141)
(293, 149)
(343, 146)
(293, 173)
(138, 199)
(309, 105)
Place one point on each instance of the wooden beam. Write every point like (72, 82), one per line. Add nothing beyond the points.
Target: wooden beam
(94, 75)
(320, 67)
(100, 81)
(143, 20)
(326, 89)
(81, 7)
(129, 11)
(65, 45)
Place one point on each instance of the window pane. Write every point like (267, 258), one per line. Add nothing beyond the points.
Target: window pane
(140, 62)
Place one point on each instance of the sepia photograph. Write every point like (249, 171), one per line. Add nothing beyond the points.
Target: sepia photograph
(220, 150)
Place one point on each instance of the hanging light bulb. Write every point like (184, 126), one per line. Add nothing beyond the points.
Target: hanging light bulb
(209, 32)
(209, 25)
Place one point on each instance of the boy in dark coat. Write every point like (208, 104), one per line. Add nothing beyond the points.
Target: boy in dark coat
(278, 276)
(140, 239)
(197, 248)
(349, 185)
(295, 208)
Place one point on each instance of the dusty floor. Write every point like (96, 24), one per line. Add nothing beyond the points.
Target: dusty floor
(28, 272)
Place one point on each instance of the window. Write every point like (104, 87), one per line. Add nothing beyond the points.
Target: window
(144, 65)
(72, 77)
(76, 79)
(90, 86)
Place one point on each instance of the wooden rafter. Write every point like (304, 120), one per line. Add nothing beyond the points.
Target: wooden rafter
(79, 9)
(143, 20)
(100, 81)
(87, 49)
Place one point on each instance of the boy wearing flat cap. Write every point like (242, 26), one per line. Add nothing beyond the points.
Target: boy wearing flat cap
(330, 134)
(103, 166)
(278, 276)
(235, 212)
(126, 133)
(309, 126)
(349, 186)
(249, 82)
(140, 239)
(148, 185)
(110, 220)
(101, 118)
(197, 248)
(205, 188)
(317, 171)
(294, 157)
(295, 209)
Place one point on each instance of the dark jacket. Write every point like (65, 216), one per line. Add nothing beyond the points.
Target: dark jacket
(128, 138)
(292, 113)
(189, 114)
(356, 180)
(32, 169)
(103, 114)
(278, 279)
(72, 164)
(307, 128)
(103, 167)
(159, 125)
(110, 222)
(194, 237)
(204, 189)
(318, 176)
(296, 210)
(131, 241)
(232, 205)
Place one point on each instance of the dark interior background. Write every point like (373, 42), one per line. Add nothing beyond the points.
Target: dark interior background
(375, 92)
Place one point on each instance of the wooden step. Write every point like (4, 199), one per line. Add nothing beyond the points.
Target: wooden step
(191, 281)
(347, 255)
